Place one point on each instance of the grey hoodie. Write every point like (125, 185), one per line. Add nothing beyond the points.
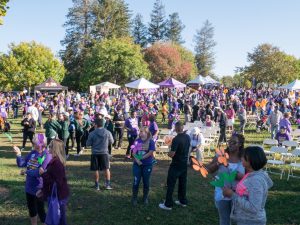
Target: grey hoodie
(251, 209)
(99, 139)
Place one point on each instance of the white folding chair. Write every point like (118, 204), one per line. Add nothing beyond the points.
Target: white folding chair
(269, 142)
(290, 144)
(295, 134)
(280, 162)
(294, 164)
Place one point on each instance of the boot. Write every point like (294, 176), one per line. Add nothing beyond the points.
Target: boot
(134, 197)
(145, 197)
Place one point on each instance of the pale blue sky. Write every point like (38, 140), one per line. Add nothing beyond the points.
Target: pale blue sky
(240, 25)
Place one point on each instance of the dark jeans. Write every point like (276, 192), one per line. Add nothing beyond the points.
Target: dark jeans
(118, 135)
(72, 138)
(26, 135)
(78, 142)
(222, 137)
(175, 173)
(16, 113)
(66, 144)
(224, 210)
(35, 207)
(140, 172)
(131, 139)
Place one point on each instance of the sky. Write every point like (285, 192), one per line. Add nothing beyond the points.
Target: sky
(240, 25)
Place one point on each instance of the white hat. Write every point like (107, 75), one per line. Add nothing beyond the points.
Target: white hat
(67, 114)
(107, 116)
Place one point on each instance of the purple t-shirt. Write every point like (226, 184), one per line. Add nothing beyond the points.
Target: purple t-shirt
(282, 137)
(153, 128)
(149, 160)
(32, 164)
(132, 123)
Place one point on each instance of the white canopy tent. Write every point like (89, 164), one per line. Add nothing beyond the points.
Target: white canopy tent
(295, 85)
(103, 87)
(142, 83)
(210, 80)
(199, 80)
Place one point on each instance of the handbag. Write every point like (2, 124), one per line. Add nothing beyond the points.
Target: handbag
(53, 214)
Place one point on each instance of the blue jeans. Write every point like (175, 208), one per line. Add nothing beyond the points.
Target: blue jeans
(274, 130)
(139, 172)
(224, 210)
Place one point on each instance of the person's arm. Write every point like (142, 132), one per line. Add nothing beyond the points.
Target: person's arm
(213, 166)
(151, 150)
(111, 139)
(89, 141)
(174, 147)
(21, 162)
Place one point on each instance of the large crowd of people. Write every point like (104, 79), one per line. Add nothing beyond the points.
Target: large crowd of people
(101, 121)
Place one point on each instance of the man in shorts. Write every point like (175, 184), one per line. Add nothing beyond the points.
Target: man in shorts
(99, 140)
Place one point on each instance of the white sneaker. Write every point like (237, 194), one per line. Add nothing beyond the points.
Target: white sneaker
(162, 206)
(180, 204)
(80, 153)
(22, 149)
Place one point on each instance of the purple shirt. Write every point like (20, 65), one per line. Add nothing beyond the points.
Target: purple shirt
(282, 137)
(153, 128)
(132, 124)
(33, 180)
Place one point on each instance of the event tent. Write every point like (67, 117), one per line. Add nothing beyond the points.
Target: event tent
(171, 83)
(295, 85)
(49, 85)
(210, 80)
(199, 80)
(141, 83)
(103, 87)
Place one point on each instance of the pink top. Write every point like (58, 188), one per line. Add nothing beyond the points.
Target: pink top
(241, 189)
(230, 113)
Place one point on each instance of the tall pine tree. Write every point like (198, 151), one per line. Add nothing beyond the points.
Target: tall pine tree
(90, 21)
(111, 19)
(77, 41)
(204, 49)
(157, 26)
(174, 29)
(139, 31)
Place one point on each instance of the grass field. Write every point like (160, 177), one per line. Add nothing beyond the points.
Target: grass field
(89, 207)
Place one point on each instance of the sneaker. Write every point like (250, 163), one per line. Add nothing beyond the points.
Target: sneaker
(180, 204)
(73, 148)
(22, 149)
(108, 187)
(81, 152)
(119, 148)
(162, 206)
(97, 187)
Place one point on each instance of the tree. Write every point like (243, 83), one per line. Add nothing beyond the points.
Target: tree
(77, 41)
(139, 31)
(157, 26)
(111, 18)
(88, 22)
(115, 60)
(3, 9)
(27, 65)
(165, 61)
(204, 44)
(174, 28)
(270, 65)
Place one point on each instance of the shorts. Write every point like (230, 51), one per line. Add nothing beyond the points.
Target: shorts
(100, 162)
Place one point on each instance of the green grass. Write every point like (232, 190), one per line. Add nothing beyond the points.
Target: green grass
(89, 207)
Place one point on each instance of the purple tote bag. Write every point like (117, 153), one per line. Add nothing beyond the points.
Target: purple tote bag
(53, 214)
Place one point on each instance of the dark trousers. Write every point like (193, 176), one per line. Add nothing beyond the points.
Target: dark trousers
(222, 137)
(27, 134)
(66, 144)
(131, 139)
(175, 173)
(141, 172)
(16, 113)
(72, 139)
(118, 137)
(35, 207)
(78, 142)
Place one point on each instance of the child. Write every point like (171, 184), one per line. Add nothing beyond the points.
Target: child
(282, 135)
(248, 202)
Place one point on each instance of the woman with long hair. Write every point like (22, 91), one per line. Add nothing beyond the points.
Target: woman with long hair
(55, 173)
(142, 151)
